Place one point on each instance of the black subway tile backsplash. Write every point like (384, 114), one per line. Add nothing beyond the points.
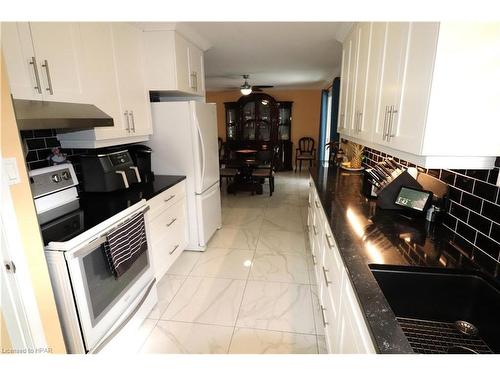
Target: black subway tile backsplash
(464, 183)
(474, 210)
(36, 143)
(486, 191)
(42, 133)
(492, 211)
(458, 211)
(480, 223)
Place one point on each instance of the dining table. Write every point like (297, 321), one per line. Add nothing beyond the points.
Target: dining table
(245, 162)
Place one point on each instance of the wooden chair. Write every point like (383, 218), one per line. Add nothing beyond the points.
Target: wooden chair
(227, 173)
(305, 151)
(268, 171)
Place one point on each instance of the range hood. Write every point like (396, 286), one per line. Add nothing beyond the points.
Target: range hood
(34, 114)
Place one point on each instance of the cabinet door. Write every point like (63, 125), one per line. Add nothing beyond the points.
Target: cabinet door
(99, 81)
(344, 85)
(182, 64)
(372, 118)
(196, 70)
(351, 90)
(353, 336)
(407, 133)
(395, 48)
(129, 70)
(17, 47)
(57, 49)
(360, 127)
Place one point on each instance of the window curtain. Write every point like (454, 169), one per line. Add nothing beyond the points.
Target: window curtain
(323, 124)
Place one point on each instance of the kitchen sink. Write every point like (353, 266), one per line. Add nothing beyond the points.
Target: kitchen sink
(443, 310)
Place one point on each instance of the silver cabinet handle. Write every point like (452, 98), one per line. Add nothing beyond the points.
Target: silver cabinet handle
(173, 221)
(342, 117)
(327, 282)
(384, 134)
(128, 121)
(315, 229)
(314, 259)
(317, 204)
(393, 111)
(307, 228)
(131, 114)
(38, 87)
(331, 245)
(169, 198)
(360, 120)
(325, 322)
(194, 81)
(49, 81)
(172, 251)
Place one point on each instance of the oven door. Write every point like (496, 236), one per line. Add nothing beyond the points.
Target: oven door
(101, 299)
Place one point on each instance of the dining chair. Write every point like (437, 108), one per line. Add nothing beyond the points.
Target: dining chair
(305, 151)
(268, 171)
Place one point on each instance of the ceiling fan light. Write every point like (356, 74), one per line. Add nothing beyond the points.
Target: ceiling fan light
(246, 90)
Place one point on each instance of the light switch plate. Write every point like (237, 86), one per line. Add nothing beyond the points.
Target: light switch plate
(11, 171)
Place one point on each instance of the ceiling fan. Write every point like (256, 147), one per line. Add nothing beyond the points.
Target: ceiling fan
(247, 89)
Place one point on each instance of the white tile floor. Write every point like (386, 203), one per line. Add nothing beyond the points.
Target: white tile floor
(253, 290)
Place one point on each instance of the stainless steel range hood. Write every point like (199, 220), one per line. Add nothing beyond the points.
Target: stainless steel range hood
(33, 114)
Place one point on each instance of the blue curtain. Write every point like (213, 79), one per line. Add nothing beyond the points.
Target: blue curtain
(334, 136)
(323, 124)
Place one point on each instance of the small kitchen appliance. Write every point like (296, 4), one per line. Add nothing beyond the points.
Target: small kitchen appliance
(109, 172)
(141, 156)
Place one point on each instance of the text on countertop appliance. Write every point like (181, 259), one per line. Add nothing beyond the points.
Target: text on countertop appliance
(109, 172)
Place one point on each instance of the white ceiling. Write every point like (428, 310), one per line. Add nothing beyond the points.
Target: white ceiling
(283, 54)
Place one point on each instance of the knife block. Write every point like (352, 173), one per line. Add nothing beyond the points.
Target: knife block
(388, 193)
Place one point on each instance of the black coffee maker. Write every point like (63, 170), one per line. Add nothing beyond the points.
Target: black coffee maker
(141, 156)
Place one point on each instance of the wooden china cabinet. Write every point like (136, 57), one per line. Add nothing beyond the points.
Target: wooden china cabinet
(257, 121)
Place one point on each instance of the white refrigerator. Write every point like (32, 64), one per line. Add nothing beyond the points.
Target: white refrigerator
(184, 142)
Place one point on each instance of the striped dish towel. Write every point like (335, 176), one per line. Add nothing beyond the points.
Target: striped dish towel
(125, 244)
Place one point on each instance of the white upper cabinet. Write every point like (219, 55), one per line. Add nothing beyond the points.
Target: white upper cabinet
(430, 88)
(351, 83)
(134, 98)
(360, 127)
(173, 63)
(346, 54)
(43, 60)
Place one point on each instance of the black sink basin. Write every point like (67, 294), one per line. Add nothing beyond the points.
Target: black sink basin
(429, 301)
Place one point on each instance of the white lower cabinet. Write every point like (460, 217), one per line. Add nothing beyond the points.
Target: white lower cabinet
(346, 331)
(167, 227)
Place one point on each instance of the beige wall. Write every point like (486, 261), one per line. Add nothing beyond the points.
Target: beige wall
(305, 110)
(28, 224)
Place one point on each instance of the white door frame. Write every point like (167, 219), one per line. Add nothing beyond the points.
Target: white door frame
(19, 305)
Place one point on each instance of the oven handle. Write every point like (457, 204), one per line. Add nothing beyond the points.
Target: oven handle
(98, 241)
(117, 330)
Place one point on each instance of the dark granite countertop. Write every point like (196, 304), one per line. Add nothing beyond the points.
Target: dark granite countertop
(366, 235)
(98, 207)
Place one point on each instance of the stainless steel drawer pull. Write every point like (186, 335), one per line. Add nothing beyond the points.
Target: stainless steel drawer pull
(175, 248)
(314, 259)
(325, 322)
(169, 198)
(317, 204)
(131, 114)
(173, 221)
(327, 282)
(49, 81)
(128, 120)
(329, 239)
(384, 133)
(389, 132)
(38, 87)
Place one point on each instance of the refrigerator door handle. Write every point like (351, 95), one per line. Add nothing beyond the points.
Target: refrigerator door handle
(203, 166)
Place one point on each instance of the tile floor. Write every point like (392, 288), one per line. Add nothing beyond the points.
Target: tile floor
(252, 290)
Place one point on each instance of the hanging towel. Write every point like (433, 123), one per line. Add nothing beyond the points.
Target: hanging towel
(125, 244)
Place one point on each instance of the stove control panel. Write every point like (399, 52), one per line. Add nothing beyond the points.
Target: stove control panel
(48, 180)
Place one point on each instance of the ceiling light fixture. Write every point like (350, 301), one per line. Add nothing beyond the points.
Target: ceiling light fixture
(245, 88)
